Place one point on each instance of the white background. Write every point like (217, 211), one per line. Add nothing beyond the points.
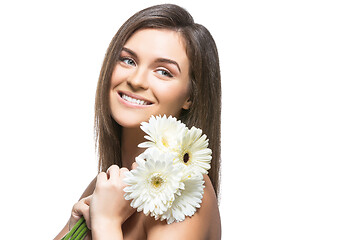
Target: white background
(290, 133)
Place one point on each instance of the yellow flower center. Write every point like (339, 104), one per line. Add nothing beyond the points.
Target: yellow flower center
(156, 180)
(164, 142)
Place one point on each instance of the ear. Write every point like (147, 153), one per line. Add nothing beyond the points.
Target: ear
(187, 104)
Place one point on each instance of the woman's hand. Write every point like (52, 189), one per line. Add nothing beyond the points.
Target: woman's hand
(81, 208)
(108, 207)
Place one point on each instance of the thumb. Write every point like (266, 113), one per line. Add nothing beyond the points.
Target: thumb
(87, 200)
(81, 208)
(134, 165)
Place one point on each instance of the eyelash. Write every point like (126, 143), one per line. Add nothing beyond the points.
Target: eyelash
(124, 59)
(165, 73)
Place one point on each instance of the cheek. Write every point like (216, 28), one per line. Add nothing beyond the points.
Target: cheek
(172, 95)
(117, 76)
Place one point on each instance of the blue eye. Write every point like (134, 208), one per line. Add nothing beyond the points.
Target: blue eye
(164, 73)
(128, 61)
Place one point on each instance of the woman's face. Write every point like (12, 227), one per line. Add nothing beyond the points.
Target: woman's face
(150, 78)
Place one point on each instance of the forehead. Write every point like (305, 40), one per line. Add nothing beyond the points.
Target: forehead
(158, 43)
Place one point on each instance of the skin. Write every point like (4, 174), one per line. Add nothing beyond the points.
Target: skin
(153, 67)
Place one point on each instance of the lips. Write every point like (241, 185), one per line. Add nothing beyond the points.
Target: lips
(134, 99)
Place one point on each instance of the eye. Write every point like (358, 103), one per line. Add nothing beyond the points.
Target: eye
(164, 73)
(128, 61)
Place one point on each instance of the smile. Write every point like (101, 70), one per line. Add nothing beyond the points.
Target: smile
(134, 100)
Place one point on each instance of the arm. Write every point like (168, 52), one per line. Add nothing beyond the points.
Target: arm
(108, 207)
(88, 191)
(103, 206)
(203, 225)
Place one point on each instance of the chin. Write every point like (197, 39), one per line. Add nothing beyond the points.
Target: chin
(130, 121)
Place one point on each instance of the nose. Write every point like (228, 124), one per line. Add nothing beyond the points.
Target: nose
(138, 80)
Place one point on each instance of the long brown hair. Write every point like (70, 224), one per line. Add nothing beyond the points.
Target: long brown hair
(205, 110)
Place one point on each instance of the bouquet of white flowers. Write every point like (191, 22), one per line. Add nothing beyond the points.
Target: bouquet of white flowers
(168, 182)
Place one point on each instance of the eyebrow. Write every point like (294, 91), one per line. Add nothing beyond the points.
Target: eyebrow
(165, 60)
(131, 52)
(160, 60)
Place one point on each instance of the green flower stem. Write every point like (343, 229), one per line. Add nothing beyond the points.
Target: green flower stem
(78, 223)
(76, 230)
(82, 234)
(79, 231)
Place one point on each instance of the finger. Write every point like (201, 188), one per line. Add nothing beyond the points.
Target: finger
(101, 177)
(113, 171)
(86, 214)
(122, 173)
(123, 170)
(134, 165)
(79, 209)
(87, 200)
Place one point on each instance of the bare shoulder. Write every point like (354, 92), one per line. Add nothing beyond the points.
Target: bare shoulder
(204, 224)
(90, 189)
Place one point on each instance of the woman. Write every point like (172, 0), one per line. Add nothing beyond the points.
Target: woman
(159, 62)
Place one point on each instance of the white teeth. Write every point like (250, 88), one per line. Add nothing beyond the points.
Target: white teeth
(133, 100)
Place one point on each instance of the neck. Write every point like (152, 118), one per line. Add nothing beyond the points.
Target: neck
(130, 139)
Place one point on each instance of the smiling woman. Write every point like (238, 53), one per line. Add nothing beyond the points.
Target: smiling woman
(148, 79)
(159, 62)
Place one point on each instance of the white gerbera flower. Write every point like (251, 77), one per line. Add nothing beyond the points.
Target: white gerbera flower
(187, 201)
(194, 152)
(168, 182)
(153, 184)
(163, 133)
